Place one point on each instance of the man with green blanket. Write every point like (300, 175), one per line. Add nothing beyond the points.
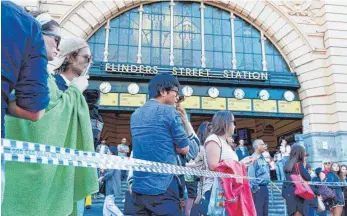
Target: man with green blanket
(49, 190)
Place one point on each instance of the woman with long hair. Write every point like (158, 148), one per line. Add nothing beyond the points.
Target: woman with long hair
(295, 204)
(337, 208)
(217, 148)
(202, 133)
(41, 190)
(326, 166)
(285, 150)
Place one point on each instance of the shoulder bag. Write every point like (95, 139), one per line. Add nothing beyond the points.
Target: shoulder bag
(302, 189)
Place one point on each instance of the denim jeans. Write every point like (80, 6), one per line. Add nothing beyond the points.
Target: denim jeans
(110, 208)
(2, 179)
(280, 171)
(80, 207)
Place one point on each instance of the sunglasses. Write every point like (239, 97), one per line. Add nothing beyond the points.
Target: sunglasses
(234, 121)
(87, 57)
(57, 38)
(326, 163)
(174, 90)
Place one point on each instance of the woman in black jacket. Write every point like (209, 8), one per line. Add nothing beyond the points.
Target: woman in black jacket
(336, 210)
(295, 204)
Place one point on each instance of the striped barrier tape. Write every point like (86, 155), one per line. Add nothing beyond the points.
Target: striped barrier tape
(27, 152)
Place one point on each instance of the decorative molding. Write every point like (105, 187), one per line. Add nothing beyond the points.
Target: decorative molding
(202, 13)
(172, 56)
(263, 54)
(298, 7)
(232, 22)
(107, 29)
(139, 49)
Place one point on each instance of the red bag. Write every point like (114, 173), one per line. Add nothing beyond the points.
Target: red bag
(302, 189)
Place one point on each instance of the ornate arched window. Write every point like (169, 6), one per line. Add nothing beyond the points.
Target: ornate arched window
(193, 45)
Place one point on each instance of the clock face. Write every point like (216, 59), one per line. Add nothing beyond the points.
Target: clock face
(133, 88)
(239, 93)
(187, 91)
(289, 96)
(264, 94)
(213, 92)
(105, 87)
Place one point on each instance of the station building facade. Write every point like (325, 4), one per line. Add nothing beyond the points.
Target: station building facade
(279, 66)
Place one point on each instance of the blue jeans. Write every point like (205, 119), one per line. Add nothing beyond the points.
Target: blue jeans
(2, 179)
(280, 171)
(202, 207)
(80, 207)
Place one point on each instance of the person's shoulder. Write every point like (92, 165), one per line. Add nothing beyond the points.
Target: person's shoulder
(212, 137)
(18, 13)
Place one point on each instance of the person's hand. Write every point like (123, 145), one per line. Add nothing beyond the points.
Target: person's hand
(182, 112)
(81, 82)
(101, 179)
(247, 161)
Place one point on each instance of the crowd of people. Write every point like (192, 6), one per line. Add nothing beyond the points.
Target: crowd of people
(44, 104)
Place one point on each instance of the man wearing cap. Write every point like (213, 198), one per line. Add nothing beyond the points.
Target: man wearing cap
(259, 172)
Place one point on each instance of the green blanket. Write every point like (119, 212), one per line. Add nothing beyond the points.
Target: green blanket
(50, 190)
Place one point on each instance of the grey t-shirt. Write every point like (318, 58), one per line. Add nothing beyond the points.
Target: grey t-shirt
(122, 147)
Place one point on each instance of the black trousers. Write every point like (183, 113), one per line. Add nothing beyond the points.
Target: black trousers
(167, 203)
(261, 201)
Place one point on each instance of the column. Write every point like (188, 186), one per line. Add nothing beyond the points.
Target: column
(106, 40)
(263, 51)
(202, 11)
(172, 57)
(232, 22)
(139, 49)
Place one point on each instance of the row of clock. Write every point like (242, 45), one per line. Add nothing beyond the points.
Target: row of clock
(238, 93)
(213, 92)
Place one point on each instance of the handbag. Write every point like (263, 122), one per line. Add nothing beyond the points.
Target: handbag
(129, 204)
(302, 189)
(216, 205)
(102, 188)
(326, 192)
(321, 206)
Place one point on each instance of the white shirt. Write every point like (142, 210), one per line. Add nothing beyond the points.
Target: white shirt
(65, 79)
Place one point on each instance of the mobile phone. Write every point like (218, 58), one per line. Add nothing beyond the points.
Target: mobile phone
(86, 70)
(181, 98)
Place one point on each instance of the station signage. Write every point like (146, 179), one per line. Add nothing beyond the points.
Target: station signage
(186, 72)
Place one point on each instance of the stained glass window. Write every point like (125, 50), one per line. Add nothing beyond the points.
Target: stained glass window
(187, 43)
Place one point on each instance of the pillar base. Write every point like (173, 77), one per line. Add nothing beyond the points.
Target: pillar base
(322, 146)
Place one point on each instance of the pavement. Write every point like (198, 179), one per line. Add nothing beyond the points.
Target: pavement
(97, 207)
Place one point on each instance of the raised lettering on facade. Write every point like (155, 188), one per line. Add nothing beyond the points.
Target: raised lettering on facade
(186, 72)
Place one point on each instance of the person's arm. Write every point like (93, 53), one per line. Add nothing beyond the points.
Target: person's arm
(31, 90)
(127, 149)
(108, 174)
(304, 173)
(254, 183)
(331, 178)
(193, 146)
(18, 112)
(178, 133)
(213, 151)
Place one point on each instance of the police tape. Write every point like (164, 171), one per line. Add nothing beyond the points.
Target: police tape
(28, 152)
